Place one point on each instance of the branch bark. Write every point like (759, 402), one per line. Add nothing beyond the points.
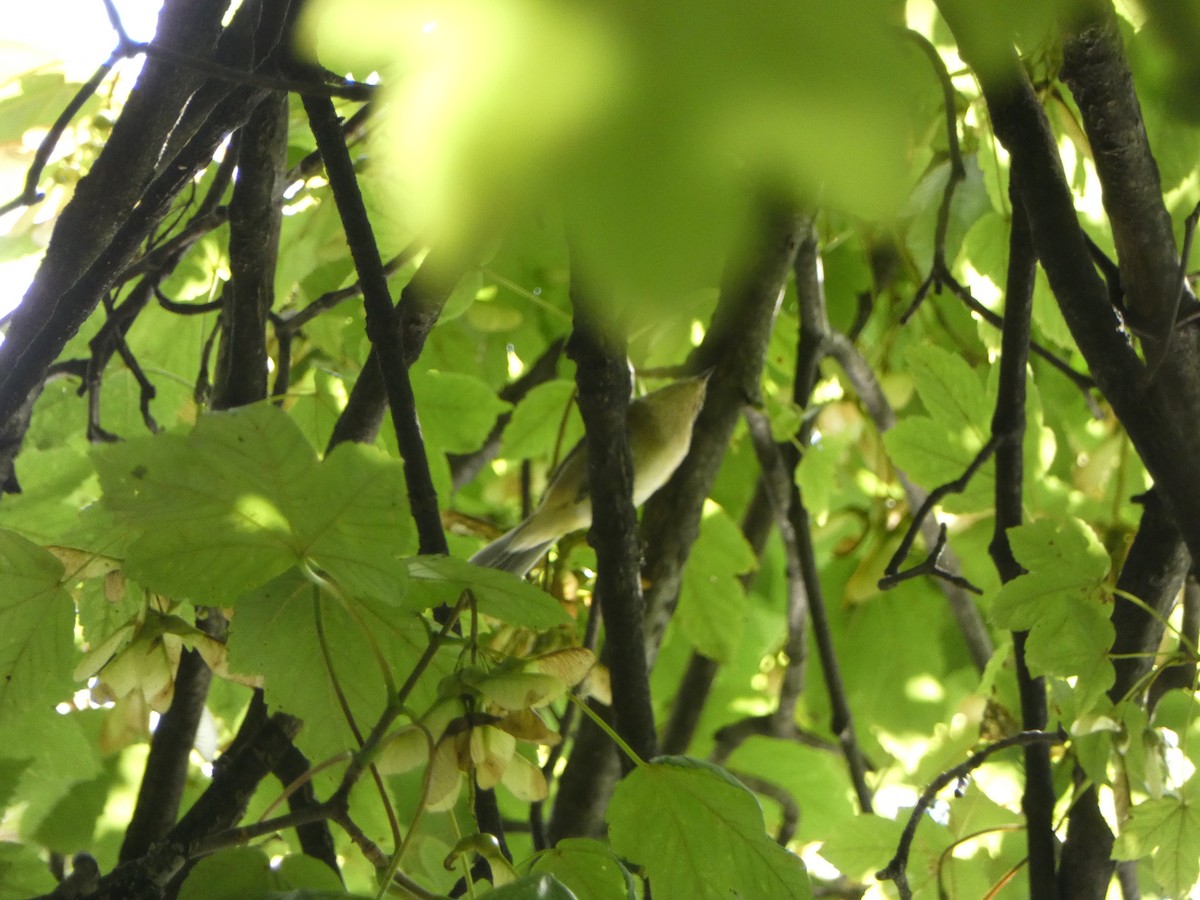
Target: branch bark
(734, 348)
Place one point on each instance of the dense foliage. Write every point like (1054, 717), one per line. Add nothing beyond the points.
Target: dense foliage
(915, 616)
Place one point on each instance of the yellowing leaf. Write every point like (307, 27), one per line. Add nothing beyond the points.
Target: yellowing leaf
(569, 665)
(491, 752)
(525, 780)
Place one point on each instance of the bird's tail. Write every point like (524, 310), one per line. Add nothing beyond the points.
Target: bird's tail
(500, 554)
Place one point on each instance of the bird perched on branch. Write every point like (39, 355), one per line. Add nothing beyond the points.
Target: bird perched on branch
(660, 433)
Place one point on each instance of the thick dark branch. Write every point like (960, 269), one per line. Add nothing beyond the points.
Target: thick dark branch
(1008, 432)
(1154, 571)
(1095, 68)
(165, 775)
(255, 216)
(312, 87)
(383, 328)
(602, 375)
(733, 347)
(420, 304)
(115, 208)
(1162, 417)
(218, 808)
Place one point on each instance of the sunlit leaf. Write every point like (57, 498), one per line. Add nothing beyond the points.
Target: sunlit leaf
(697, 804)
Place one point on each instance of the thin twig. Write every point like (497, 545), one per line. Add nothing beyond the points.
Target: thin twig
(957, 174)
(30, 194)
(892, 574)
(288, 324)
(1164, 339)
(896, 869)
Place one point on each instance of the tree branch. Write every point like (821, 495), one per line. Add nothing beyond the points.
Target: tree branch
(602, 375)
(1008, 432)
(383, 328)
(895, 870)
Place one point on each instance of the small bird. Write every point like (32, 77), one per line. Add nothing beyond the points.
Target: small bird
(660, 433)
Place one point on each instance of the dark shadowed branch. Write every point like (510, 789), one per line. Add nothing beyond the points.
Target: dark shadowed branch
(602, 376)
(383, 328)
(733, 347)
(1008, 432)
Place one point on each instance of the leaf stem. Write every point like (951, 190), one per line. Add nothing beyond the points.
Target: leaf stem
(607, 729)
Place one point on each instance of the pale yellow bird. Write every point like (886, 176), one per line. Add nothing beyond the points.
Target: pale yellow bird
(660, 433)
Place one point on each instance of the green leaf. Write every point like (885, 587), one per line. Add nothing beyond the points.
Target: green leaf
(457, 411)
(1168, 829)
(950, 389)
(1062, 601)
(588, 868)
(534, 887)
(242, 499)
(537, 420)
(712, 600)
(864, 845)
(41, 98)
(23, 873)
(932, 453)
(238, 873)
(274, 634)
(353, 521)
(37, 646)
(60, 756)
(701, 836)
(441, 579)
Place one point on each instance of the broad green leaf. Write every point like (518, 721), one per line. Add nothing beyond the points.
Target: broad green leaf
(37, 646)
(60, 754)
(932, 455)
(537, 420)
(274, 633)
(237, 873)
(712, 600)
(23, 873)
(478, 131)
(588, 868)
(242, 499)
(42, 97)
(950, 389)
(352, 520)
(1062, 601)
(307, 873)
(72, 822)
(534, 887)
(864, 845)
(1168, 829)
(703, 834)
(442, 579)
(457, 411)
